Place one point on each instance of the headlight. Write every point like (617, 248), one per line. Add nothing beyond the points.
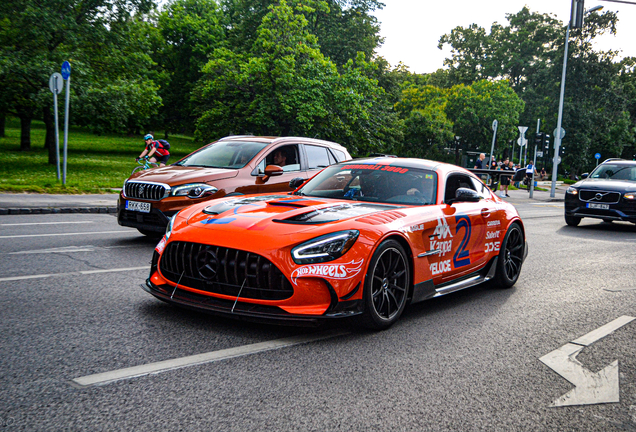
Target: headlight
(194, 190)
(572, 191)
(325, 248)
(630, 195)
(169, 227)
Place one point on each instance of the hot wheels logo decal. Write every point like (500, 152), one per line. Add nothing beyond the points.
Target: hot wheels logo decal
(330, 271)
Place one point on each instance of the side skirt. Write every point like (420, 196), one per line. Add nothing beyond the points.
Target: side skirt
(426, 290)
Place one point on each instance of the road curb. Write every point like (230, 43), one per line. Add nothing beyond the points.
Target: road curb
(55, 210)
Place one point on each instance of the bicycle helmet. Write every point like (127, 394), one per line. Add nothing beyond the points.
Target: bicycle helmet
(148, 137)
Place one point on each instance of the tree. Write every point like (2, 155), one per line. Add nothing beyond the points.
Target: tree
(188, 33)
(285, 86)
(36, 36)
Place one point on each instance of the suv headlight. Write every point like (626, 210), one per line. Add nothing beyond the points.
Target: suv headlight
(572, 191)
(630, 195)
(193, 190)
(325, 248)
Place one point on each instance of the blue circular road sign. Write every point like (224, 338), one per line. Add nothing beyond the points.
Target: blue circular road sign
(597, 155)
(66, 70)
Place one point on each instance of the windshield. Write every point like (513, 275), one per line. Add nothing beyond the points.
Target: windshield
(374, 183)
(615, 172)
(223, 154)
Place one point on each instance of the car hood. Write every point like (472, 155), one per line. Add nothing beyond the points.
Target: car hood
(176, 175)
(287, 213)
(606, 185)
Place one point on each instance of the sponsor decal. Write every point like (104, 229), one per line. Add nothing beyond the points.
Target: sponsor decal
(443, 246)
(329, 271)
(161, 245)
(493, 246)
(390, 168)
(440, 267)
(418, 227)
(442, 230)
(493, 223)
(492, 234)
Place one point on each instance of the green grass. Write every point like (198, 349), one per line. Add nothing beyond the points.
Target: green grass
(96, 164)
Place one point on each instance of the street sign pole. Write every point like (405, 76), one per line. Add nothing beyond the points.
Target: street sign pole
(534, 168)
(495, 123)
(522, 140)
(56, 82)
(557, 136)
(66, 74)
(597, 156)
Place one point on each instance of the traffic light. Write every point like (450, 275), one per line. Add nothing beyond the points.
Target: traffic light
(538, 139)
(546, 142)
(576, 14)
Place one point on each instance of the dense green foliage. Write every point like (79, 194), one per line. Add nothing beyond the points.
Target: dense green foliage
(210, 68)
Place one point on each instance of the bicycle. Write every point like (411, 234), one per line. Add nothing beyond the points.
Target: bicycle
(144, 164)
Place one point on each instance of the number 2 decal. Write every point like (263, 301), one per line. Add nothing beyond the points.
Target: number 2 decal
(461, 257)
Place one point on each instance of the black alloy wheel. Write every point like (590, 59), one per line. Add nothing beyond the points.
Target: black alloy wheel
(386, 285)
(510, 257)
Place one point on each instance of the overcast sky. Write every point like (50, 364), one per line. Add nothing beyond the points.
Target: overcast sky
(412, 28)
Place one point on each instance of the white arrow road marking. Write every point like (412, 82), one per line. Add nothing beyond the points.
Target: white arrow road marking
(590, 388)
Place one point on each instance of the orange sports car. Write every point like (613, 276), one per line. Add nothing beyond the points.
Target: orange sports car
(362, 238)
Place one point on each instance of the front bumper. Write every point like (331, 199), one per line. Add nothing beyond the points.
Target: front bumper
(618, 212)
(248, 311)
(155, 221)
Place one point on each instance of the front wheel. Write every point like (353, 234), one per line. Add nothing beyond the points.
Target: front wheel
(572, 220)
(510, 257)
(386, 286)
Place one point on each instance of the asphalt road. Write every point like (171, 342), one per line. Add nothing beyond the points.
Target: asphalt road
(72, 307)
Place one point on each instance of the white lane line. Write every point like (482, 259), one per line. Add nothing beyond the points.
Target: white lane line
(77, 273)
(64, 249)
(46, 223)
(68, 234)
(601, 332)
(212, 356)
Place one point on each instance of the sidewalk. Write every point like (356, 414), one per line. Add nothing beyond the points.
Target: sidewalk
(31, 203)
(524, 195)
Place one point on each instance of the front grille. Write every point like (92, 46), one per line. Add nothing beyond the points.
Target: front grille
(224, 271)
(147, 191)
(603, 196)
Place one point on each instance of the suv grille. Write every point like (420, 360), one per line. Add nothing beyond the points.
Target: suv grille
(224, 271)
(599, 196)
(147, 191)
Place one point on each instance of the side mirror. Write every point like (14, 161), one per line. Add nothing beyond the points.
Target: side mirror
(466, 195)
(273, 170)
(295, 182)
(585, 175)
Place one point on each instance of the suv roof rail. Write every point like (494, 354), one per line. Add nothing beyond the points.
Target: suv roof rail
(235, 136)
(614, 159)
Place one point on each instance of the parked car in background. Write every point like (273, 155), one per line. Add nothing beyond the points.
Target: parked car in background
(362, 238)
(608, 193)
(235, 165)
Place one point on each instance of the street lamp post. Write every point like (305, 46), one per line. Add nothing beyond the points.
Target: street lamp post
(557, 136)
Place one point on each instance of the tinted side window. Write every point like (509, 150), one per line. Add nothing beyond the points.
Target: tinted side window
(481, 188)
(317, 157)
(454, 182)
(340, 156)
(285, 157)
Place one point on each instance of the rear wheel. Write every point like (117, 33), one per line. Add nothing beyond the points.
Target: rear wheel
(510, 258)
(572, 220)
(386, 286)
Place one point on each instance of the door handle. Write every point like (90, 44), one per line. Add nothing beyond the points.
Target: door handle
(486, 212)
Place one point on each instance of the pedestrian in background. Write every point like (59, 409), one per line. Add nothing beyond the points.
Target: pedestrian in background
(479, 162)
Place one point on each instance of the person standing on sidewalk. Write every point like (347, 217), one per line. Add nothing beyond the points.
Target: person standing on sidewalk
(479, 162)
(505, 179)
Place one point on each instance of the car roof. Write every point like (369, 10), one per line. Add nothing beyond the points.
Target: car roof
(283, 140)
(619, 161)
(408, 163)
